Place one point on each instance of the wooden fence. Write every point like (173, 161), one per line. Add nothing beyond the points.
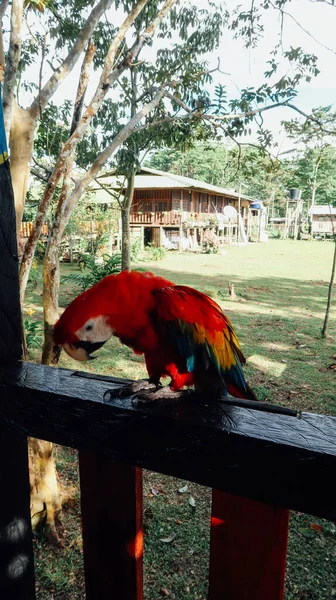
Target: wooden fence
(259, 465)
(27, 227)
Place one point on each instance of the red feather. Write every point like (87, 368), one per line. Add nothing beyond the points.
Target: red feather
(182, 332)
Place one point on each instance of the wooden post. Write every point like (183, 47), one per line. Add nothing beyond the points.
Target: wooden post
(16, 550)
(181, 222)
(248, 549)
(111, 499)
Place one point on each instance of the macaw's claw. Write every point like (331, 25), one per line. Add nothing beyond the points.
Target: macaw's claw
(163, 393)
(131, 389)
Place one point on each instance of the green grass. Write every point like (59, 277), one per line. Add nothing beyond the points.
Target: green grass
(282, 289)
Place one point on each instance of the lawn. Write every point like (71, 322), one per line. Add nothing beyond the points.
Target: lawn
(281, 290)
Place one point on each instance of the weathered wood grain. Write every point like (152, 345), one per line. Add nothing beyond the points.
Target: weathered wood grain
(16, 550)
(248, 545)
(111, 502)
(276, 459)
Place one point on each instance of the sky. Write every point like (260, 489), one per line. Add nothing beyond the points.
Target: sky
(246, 68)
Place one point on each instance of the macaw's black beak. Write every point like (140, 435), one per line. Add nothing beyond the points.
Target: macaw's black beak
(82, 350)
(90, 347)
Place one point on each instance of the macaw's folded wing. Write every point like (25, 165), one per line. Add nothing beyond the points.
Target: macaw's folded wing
(204, 337)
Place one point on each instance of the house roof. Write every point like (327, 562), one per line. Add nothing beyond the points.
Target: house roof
(155, 179)
(323, 209)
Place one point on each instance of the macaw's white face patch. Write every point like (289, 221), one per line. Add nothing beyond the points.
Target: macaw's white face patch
(94, 333)
(95, 330)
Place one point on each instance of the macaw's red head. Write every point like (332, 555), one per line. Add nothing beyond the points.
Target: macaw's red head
(118, 305)
(85, 324)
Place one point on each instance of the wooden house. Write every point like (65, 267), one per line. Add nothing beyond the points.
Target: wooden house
(179, 212)
(323, 220)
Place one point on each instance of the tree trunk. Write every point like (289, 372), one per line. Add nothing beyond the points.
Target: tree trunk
(330, 291)
(314, 188)
(125, 225)
(51, 279)
(125, 240)
(45, 497)
(51, 273)
(21, 149)
(12, 62)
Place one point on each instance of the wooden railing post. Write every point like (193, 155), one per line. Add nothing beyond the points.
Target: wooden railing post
(111, 499)
(16, 550)
(247, 549)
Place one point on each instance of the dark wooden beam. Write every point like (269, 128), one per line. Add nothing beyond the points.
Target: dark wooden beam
(280, 460)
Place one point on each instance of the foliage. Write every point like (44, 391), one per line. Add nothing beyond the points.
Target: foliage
(92, 271)
(211, 242)
(313, 168)
(33, 332)
(250, 169)
(135, 250)
(154, 253)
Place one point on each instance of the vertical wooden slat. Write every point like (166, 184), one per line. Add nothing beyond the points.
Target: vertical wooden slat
(16, 548)
(248, 549)
(111, 499)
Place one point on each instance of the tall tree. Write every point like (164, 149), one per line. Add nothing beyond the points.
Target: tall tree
(314, 170)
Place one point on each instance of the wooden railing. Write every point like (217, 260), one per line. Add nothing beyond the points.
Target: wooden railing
(27, 227)
(171, 218)
(259, 465)
(155, 218)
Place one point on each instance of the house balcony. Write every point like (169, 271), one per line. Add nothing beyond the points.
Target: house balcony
(173, 218)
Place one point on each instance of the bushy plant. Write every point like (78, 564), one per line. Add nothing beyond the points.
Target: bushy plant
(91, 271)
(154, 252)
(135, 250)
(210, 242)
(34, 333)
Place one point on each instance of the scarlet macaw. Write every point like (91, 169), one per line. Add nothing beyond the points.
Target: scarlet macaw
(182, 333)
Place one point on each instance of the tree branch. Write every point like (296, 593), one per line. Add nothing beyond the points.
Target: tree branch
(13, 57)
(62, 71)
(108, 76)
(312, 118)
(284, 12)
(3, 8)
(105, 81)
(106, 154)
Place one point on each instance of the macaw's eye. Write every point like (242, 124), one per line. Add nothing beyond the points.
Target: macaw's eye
(88, 327)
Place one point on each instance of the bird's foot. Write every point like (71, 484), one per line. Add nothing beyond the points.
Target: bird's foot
(124, 391)
(163, 393)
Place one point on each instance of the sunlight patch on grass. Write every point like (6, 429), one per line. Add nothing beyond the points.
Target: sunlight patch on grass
(277, 346)
(266, 365)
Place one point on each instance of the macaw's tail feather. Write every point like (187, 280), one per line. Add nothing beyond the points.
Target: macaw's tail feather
(238, 392)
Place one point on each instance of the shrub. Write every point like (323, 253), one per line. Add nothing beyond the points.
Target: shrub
(91, 271)
(155, 253)
(210, 242)
(33, 331)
